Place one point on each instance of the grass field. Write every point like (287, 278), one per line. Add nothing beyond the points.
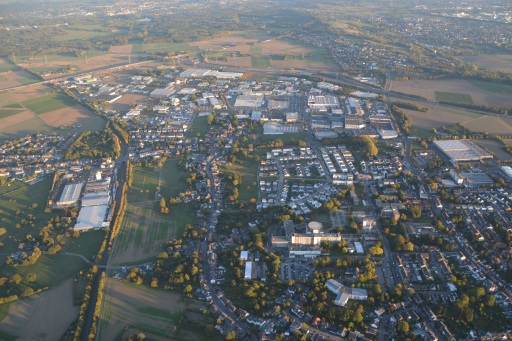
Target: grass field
(3, 79)
(260, 61)
(8, 112)
(47, 103)
(164, 47)
(495, 88)
(25, 81)
(497, 148)
(248, 171)
(453, 97)
(86, 245)
(6, 66)
(13, 106)
(141, 236)
(162, 315)
(80, 34)
(144, 186)
(173, 179)
(41, 317)
(199, 126)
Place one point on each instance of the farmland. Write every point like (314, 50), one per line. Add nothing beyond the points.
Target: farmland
(498, 62)
(41, 111)
(495, 147)
(164, 47)
(160, 315)
(457, 91)
(47, 103)
(44, 316)
(141, 235)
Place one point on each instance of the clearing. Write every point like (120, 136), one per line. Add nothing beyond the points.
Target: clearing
(47, 103)
(45, 316)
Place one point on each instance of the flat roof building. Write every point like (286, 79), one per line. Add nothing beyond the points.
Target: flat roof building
(70, 194)
(91, 217)
(248, 270)
(462, 151)
(343, 293)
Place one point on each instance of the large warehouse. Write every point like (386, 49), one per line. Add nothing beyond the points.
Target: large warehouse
(70, 195)
(462, 151)
(91, 217)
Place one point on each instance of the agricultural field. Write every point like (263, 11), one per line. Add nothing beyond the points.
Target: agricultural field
(39, 111)
(440, 116)
(498, 62)
(173, 179)
(457, 90)
(141, 235)
(84, 32)
(47, 103)
(53, 66)
(14, 76)
(453, 97)
(159, 314)
(45, 316)
(164, 47)
(496, 148)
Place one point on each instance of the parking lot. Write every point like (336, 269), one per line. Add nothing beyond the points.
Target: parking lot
(295, 269)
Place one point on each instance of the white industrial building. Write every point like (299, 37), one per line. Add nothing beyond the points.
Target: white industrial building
(343, 293)
(248, 270)
(70, 195)
(91, 217)
(507, 170)
(250, 101)
(162, 92)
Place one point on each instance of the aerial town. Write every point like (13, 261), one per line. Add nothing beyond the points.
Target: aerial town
(299, 185)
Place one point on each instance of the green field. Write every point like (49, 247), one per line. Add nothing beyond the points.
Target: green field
(142, 235)
(3, 79)
(247, 169)
(72, 34)
(8, 112)
(164, 47)
(495, 88)
(48, 103)
(173, 179)
(13, 106)
(144, 185)
(25, 81)
(6, 66)
(87, 244)
(453, 97)
(260, 61)
(66, 57)
(199, 126)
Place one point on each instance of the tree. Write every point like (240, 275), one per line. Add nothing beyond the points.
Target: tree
(16, 279)
(231, 335)
(188, 288)
(416, 212)
(403, 327)
(30, 277)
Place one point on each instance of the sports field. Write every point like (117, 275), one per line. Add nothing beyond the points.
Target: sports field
(142, 235)
(47, 103)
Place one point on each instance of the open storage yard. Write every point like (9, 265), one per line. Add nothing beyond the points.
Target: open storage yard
(161, 315)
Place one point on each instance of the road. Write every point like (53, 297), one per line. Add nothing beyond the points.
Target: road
(121, 179)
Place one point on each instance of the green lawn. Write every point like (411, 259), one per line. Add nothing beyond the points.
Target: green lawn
(453, 97)
(199, 126)
(260, 61)
(173, 179)
(422, 132)
(144, 185)
(157, 312)
(495, 88)
(48, 103)
(247, 169)
(8, 112)
(182, 214)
